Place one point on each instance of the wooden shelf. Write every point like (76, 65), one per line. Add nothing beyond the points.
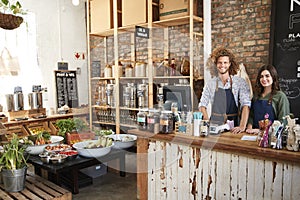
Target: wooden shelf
(162, 23)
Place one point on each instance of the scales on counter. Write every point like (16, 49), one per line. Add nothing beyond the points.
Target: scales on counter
(215, 129)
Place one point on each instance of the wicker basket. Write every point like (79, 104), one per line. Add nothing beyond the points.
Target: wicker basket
(9, 21)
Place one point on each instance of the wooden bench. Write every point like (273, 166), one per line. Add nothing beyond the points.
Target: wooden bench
(36, 188)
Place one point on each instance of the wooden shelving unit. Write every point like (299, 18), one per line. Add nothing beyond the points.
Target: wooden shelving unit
(113, 45)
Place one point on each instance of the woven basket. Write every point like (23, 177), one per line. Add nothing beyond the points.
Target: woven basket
(9, 21)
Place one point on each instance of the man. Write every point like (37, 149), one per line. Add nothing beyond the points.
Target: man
(228, 93)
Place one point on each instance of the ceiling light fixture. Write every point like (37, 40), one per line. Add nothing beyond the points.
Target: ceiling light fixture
(75, 2)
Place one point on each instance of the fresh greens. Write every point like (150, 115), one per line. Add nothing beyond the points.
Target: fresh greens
(12, 157)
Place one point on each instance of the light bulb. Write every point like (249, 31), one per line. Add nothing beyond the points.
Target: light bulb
(75, 2)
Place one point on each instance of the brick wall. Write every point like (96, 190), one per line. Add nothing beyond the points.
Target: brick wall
(244, 27)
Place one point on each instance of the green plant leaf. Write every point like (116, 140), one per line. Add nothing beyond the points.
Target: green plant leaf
(5, 2)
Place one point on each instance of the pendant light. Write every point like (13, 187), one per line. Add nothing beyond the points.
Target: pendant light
(75, 2)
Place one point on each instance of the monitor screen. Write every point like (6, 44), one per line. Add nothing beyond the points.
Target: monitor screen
(179, 94)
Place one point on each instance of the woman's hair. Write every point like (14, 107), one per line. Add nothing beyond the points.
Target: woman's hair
(211, 64)
(275, 85)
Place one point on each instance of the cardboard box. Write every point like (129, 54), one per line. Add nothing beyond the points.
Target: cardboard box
(101, 12)
(134, 12)
(175, 8)
(95, 170)
(101, 15)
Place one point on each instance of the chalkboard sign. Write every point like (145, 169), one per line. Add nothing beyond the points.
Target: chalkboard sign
(286, 49)
(66, 89)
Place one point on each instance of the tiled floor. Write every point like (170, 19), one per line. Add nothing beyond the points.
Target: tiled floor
(112, 186)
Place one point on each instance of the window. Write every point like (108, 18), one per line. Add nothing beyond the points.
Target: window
(19, 59)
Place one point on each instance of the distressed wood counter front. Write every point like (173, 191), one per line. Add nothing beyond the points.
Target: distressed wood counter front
(214, 167)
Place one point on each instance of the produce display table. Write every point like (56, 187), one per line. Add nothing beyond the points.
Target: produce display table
(37, 187)
(73, 166)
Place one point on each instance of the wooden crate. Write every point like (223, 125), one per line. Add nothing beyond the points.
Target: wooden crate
(35, 127)
(19, 130)
(37, 187)
(53, 128)
(72, 138)
(187, 127)
(26, 113)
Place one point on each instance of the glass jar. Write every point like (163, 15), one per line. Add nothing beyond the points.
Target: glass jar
(129, 71)
(166, 122)
(142, 120)
(153, 121)
(107, 71)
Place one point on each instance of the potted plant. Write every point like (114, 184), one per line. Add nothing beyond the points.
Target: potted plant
(10, 14)
(13, 164)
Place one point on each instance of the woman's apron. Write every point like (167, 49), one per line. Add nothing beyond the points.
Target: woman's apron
(261, 108)
(224, 107)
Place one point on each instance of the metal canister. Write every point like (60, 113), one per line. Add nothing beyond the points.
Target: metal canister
(18, 102)
(9, 102)
(35, 100)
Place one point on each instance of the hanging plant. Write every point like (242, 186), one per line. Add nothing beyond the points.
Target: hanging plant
(10, 14)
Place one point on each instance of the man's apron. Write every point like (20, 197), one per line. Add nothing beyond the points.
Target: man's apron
(224, 107)
(261, 108)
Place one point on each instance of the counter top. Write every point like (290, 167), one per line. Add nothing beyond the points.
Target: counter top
(225, 142)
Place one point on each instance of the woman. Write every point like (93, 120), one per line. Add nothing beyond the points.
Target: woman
(268, 99)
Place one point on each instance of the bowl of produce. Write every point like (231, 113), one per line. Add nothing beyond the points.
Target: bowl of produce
(36, 145)
(45, 157)
(72, 154)
(94, 148)
(123, 141)
(58, 158)
(58, 148)
(103, 132)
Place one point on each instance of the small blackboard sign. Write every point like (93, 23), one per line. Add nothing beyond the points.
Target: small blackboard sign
(141, 32)
(66, 88)
(62, 66)
(286, 49)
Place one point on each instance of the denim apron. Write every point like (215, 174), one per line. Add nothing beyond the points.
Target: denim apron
(224, 107)
(261, 108)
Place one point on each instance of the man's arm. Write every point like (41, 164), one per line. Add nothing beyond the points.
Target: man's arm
(244, 120)
(204, 112)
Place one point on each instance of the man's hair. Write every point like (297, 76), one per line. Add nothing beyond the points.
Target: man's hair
(211, 64)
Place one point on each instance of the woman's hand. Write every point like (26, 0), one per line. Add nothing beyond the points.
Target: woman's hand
(237, 130)
(252, 131)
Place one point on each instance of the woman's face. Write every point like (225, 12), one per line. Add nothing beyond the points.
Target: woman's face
(266, 79)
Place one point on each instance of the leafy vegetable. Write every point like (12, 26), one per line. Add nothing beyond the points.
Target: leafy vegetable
(13, 157)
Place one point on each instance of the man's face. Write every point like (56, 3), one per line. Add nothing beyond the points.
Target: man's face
(223, 64)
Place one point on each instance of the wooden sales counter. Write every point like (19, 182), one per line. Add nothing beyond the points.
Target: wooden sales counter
(175, 166)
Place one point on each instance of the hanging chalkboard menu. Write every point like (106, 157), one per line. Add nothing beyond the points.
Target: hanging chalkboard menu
(286, 49)
(66, 89)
